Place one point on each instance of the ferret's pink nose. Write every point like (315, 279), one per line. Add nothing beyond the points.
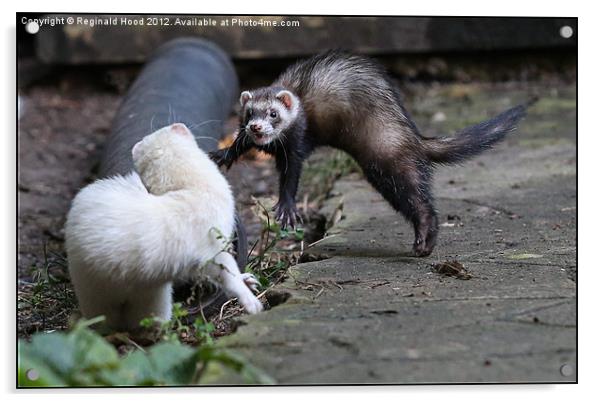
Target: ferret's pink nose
(255, 128)
(179, 128)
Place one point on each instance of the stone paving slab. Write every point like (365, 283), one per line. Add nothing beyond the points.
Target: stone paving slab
(369, 312)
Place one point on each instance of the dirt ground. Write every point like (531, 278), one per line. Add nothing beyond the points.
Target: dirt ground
(61, 131)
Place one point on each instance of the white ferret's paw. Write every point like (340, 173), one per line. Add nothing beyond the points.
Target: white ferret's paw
(251, 304)
(250, 280)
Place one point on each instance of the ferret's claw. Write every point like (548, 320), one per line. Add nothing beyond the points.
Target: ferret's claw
(217, 157)
(251, 304)
(251, 282)
(287, 215)
(220, 158)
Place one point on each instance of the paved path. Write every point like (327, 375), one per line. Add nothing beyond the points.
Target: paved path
(371, 313)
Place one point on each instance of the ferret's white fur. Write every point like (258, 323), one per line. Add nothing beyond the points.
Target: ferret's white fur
(128, 238)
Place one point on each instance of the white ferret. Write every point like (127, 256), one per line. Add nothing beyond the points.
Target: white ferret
(129, 237)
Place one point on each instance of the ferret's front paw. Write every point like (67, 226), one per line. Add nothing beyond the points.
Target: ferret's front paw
(251, 282)
(422, 249)
(220, 157)
(287, 215)
(217, 157)
(251, 304)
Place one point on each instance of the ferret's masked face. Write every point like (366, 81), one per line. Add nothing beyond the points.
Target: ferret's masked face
(264, 118)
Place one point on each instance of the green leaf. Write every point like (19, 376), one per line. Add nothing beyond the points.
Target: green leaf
(92, 351)
(84, 358)
(173, 363)
(236, 363)
(55, 350)
(263, 281)
(33, 371)
(147, 322)
(135, 369)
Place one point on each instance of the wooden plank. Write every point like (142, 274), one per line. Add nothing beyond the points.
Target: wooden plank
(130, 39)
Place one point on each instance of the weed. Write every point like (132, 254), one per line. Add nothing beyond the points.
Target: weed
(179, 329)
(275, 251)
(47, 300)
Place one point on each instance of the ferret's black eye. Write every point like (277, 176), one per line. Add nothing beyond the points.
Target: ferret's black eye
(273, 114)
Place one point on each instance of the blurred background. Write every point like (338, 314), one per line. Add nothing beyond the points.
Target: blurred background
(441, 48)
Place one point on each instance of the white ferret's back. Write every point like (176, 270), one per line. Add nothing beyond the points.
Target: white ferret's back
(129, 237)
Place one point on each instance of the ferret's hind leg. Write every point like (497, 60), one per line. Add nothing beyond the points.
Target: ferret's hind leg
(96, 297)
(426, 224)
(405, 184)
(236, 284)
(152, 301)
(111, 309)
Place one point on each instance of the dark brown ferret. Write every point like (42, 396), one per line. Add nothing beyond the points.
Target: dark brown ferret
(349, 102)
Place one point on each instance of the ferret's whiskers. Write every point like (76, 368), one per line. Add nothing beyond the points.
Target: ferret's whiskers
(285, 156)
(206, 138)
(237, 145)
(151, 122)
(192, 127)
(173, 118)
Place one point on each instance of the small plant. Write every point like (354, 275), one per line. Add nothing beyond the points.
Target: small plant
(47, 300)
(177, 328)
(275, 251)
(203, 331)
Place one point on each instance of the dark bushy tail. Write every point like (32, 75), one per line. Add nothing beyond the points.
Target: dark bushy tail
(475, 139)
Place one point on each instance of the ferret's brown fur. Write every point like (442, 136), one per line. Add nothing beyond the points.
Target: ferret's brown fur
(349, 102)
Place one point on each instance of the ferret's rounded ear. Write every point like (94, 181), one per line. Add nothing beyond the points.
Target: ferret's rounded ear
(287, 98)
(245, 96)
(135, 149)
(180, 128)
